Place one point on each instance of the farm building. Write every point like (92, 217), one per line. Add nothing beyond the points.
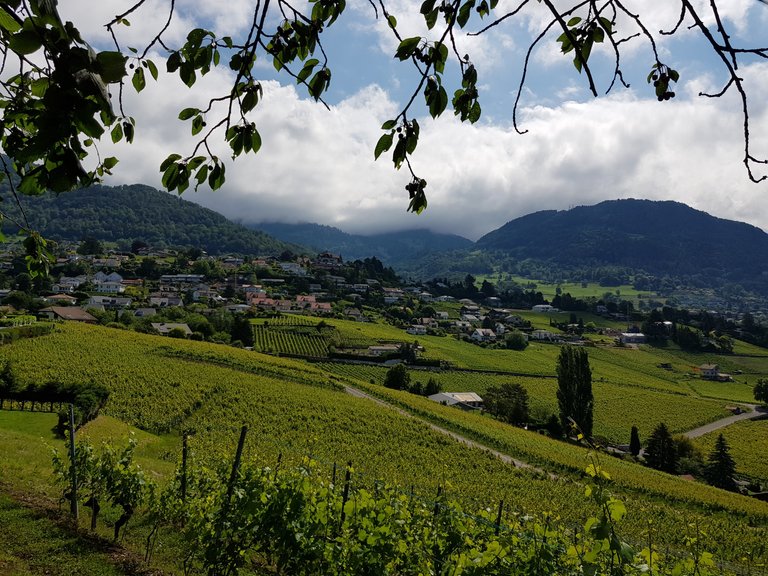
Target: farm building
(463, 400)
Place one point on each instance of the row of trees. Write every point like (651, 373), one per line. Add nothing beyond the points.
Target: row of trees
(667, 453)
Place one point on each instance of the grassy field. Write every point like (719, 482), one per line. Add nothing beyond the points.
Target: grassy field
(162, 386)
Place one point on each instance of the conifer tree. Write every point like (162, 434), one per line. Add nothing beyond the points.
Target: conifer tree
(721, 467)
(661, 453)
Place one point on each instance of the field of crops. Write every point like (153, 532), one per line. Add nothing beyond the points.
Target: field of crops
(293, 408)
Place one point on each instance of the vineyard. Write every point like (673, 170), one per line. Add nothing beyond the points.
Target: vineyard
(295, 409)
(748, 442)
(617, 407)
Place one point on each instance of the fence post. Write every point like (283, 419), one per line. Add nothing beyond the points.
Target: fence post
(498, 517)
(72, 465)
(235, 467)
(184, 449)
(345, 496)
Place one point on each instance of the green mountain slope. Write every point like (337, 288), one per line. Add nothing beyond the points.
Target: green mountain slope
(658, 237)
(139, 212)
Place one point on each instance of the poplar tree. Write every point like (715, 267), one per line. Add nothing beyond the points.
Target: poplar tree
(574, 389)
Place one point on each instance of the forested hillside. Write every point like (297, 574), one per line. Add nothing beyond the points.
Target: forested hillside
(139, 212)
(656, 237)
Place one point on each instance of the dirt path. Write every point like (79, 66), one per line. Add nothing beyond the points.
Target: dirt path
(458, 437)
(755, 411)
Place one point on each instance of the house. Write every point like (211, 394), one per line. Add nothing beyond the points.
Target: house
(709, 371)
(164, 328)
(632, 338)
(144, 312)
(107, 302)
(462, 325)
(100, 277)
(463, 400)
(383, 349)
(354, 314)
(321, 307)
(416, 329)
(181, 279)
(712, 372)
(109, 287)
(544, 336)
(328, 261)
(68, 313)
(68, 284)
(441, 315)
(500, 329)
(293, 268)
(161, 300)
(544, 308)
(62, 299)
(483, 335)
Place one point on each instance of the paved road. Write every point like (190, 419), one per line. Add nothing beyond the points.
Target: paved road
(755, 411)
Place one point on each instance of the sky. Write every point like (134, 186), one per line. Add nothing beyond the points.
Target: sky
(317, 164)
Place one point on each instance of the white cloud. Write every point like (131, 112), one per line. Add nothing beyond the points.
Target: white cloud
(317, 165)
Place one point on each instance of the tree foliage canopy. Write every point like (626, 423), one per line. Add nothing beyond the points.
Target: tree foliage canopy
(60, 96)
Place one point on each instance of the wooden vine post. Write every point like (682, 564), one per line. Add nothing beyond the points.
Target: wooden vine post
(72, 465)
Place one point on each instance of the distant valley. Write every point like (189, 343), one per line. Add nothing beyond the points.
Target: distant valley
(664, 244)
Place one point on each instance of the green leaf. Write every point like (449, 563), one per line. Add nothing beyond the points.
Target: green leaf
(392, 21)
(187, 113)
(25, 42)
(249, 101)
(173, 63)
(7, 21)
(573, 21)
(384, 144)
(674, 75)
(464, 13)
(197, 124)
(202, 174)
(138, 80)
(407, 47)
(168, 161)
(111, 66)
(128, 130)
(117, 132)
(216, 177)
(152, 68)
(431, 18)
(388, 125)
(255, 140)
(110, 162)
(427, 6)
